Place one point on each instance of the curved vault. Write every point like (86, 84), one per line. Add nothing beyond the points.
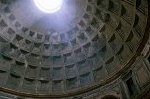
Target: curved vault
(70, 50)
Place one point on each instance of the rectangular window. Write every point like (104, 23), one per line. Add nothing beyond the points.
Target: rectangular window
(149, 59)
(131, 86)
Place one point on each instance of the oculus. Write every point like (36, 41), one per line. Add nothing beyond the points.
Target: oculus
(49, 6)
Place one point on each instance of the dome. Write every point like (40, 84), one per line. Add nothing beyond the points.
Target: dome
(85, 44)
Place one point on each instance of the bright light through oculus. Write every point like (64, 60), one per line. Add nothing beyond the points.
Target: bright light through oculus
(49, 6)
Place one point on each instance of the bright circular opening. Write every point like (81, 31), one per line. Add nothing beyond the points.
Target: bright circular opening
(49, 6)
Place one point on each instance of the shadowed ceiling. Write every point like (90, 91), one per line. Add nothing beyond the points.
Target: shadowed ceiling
(83, 44)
